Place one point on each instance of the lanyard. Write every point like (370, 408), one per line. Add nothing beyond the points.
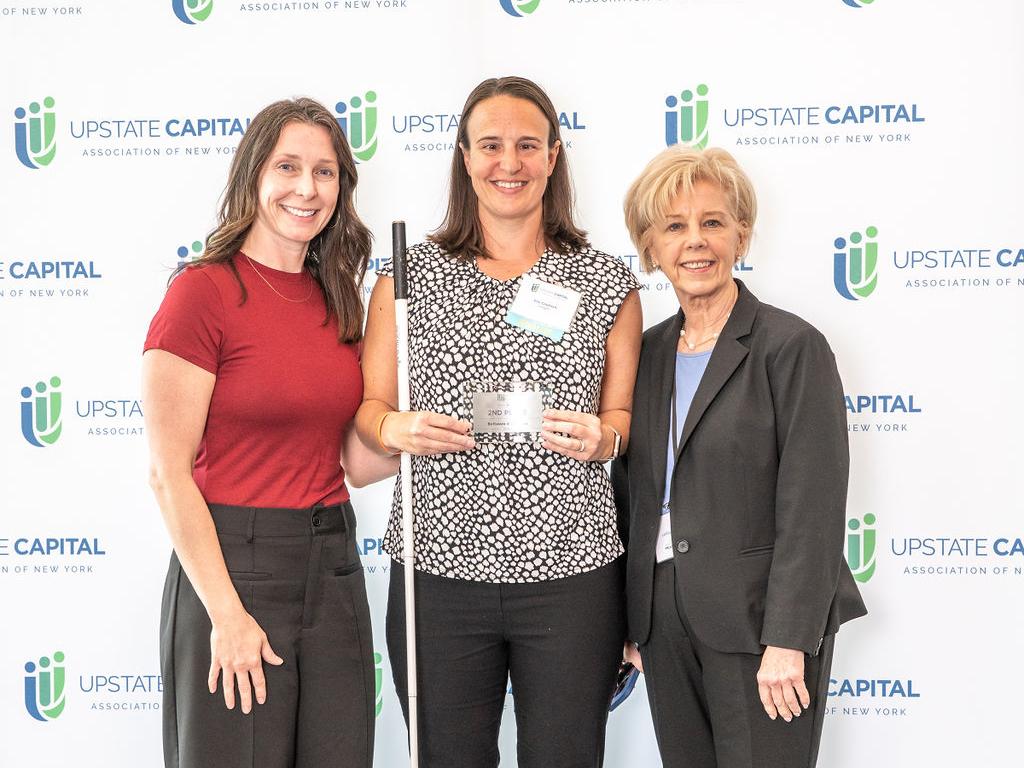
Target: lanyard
(675, 437)
(675, 420)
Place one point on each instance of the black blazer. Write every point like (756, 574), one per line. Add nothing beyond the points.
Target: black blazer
(758, 495)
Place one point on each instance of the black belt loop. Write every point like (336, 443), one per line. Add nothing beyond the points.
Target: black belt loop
(250, 531)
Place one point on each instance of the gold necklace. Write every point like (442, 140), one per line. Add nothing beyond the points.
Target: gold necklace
(714, 336)
(694, 345)
(260, 274)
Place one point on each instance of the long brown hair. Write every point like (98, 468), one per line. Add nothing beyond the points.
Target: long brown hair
(338, 255)
(460, 233)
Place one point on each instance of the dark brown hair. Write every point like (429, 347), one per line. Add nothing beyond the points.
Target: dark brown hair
(460, 233)
(338, 255)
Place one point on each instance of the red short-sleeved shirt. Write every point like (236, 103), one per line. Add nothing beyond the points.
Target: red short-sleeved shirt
(286, 388)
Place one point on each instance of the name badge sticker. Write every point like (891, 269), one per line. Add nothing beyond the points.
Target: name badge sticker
(663, 547)
(543, 308)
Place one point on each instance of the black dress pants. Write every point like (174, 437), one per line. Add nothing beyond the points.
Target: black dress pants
(705, 703)
(559, 641)
(298, 574)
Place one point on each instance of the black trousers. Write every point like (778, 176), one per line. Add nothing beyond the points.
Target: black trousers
(559, 641)
(298, 574)
(705, 704)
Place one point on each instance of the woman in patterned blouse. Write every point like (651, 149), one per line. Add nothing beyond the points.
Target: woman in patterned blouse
(518, 560)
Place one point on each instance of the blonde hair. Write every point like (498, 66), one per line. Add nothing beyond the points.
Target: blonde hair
(675, 170)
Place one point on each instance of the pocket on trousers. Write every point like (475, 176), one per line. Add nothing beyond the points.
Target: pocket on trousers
(347, 591)
(765, 549)
(249, 575)
(347, 570)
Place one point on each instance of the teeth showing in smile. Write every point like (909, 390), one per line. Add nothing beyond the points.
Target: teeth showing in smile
(697, 264)
(510, 184)
(299, 211)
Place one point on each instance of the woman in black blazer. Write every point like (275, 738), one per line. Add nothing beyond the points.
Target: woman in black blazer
(732, 496)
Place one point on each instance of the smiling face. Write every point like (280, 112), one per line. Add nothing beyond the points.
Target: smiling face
(298, 189)
(508, 158)
(698, 243)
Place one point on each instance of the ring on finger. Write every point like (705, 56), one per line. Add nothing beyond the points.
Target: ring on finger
(583, 446)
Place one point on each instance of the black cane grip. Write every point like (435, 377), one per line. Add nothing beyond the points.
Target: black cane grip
(398, 259)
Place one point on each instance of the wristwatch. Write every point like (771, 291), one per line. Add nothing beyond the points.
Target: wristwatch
(615, 445)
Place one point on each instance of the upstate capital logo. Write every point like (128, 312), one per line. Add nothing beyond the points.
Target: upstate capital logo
(686, 119)
(41, 412)
(860, 547)
(192, 11)
(519, 7)
(855, 270)
(44, 687)
(188, 254)
(858, 3)
(358, 120)
(378, 684)
(35, 133)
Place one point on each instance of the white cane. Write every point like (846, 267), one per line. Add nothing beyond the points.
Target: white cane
(408, 542)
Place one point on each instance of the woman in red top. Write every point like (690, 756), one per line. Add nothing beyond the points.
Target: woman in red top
(250, 380)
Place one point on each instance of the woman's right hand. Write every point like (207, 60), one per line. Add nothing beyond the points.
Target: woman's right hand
(424, 433)
(238, 648)
(632, 655)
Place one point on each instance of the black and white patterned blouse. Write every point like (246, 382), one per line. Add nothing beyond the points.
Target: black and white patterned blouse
(507, 512)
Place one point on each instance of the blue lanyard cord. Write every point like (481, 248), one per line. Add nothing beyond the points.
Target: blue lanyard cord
(675, 438)
(675, 422)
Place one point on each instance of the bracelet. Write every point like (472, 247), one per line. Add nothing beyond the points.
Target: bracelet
(380, 438)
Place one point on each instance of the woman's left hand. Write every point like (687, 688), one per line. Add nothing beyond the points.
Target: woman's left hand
(574, 434)
(780, 683)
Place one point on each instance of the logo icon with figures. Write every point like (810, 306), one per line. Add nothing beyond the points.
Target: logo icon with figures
(192, 11)
(378, 682)
(686, 119)
(519, 7)
(358, 120)
(858, 3)
(41, 413)
(188, 254)
(860, 547)
(35, 132)
(44, 687)
(856, 268)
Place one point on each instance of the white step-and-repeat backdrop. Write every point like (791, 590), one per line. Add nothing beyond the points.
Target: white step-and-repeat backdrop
(884, 139)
